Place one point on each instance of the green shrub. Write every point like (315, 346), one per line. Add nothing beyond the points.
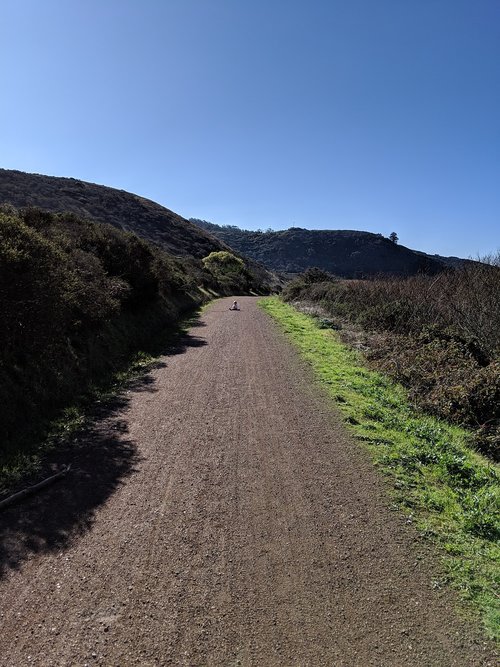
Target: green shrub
(77, 299)
(228, 271)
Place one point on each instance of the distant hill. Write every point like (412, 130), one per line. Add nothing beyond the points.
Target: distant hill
(453, 262)
(346, 253)
(121, 209)
(124, 210)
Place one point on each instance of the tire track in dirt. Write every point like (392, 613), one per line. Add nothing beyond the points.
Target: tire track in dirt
(250, 531)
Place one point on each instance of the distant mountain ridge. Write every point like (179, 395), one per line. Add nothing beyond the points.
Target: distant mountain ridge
(346, 253)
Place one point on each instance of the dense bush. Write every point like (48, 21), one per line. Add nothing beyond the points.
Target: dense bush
(230, 274)
(77, 298)
(440, 337)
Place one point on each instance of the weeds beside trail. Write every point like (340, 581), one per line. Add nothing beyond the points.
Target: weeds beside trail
(437, 336)
(450, 493)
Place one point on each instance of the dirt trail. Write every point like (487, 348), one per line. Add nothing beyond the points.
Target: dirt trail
(229, 521)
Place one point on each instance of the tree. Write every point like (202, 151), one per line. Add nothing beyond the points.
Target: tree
(393, 237)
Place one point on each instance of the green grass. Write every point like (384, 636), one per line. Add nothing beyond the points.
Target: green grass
(449, 492)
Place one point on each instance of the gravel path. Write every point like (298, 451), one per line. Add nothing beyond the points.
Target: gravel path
(219, 515)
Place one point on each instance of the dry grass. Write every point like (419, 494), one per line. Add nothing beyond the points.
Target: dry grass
(439, 336)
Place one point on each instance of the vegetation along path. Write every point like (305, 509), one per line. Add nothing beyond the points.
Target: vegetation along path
(224, 518)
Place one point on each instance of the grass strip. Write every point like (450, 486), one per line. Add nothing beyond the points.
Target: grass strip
(451, 493)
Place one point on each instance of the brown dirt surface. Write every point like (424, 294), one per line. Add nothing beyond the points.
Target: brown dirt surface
(219, 515)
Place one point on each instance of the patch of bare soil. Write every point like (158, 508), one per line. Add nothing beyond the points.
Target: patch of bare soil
(221, 516)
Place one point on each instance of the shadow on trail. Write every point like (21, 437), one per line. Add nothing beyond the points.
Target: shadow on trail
(102, 457)
(186, 342)
(197, 323)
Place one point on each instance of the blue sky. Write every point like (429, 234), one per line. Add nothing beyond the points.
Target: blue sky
(378, 115)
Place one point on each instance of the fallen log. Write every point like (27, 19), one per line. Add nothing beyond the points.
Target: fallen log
(34, 488)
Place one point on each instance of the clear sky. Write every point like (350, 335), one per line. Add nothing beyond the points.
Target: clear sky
(378, 115)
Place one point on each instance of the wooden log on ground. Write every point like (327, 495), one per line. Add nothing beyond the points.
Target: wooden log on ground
(15, 497)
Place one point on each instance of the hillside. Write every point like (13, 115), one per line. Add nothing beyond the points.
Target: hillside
(346, 253)
(121, 209)
(80, 297)
(79, 300)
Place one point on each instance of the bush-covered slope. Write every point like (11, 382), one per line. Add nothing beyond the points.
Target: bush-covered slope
(78, 300)
(438, 336)
(350, 254)
(124, 210)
